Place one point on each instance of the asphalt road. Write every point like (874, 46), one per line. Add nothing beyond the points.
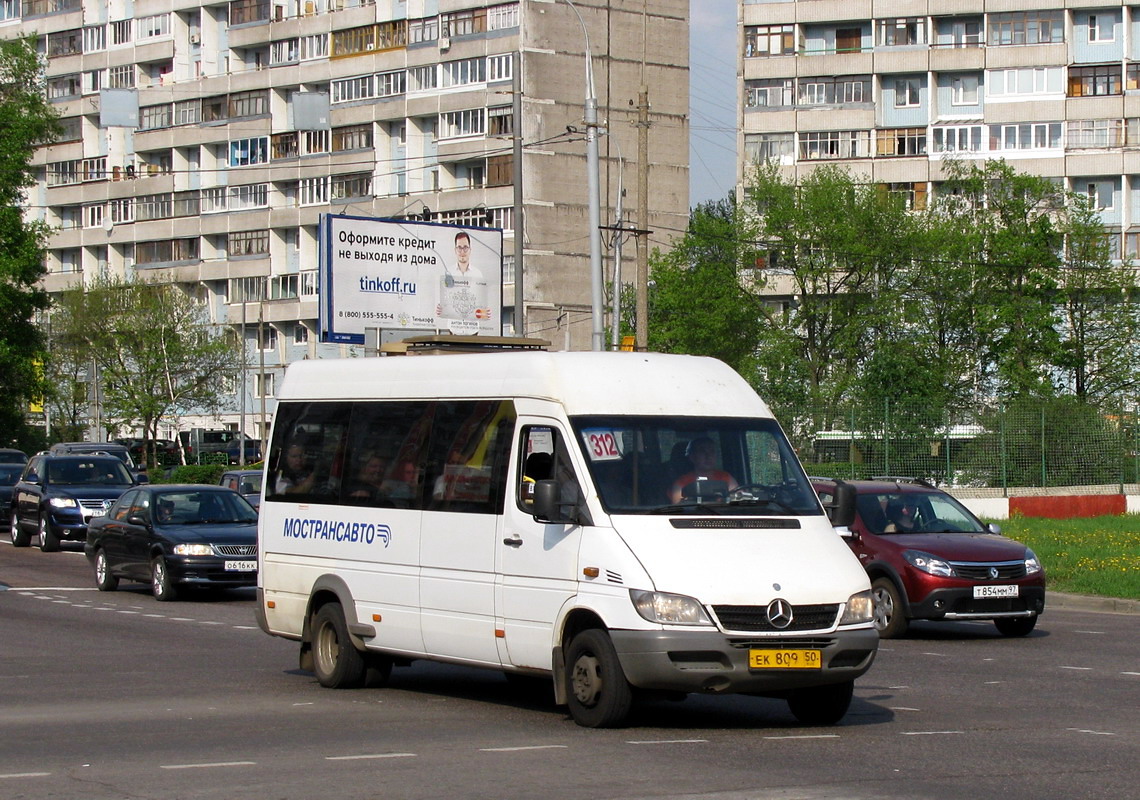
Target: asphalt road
(113, 695)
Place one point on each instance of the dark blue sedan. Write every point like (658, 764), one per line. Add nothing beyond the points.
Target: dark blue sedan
(175, 536)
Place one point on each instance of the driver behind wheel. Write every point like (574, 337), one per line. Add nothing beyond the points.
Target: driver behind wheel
(900, 515)
(701, 451)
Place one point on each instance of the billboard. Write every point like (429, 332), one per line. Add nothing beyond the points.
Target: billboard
(391, 274)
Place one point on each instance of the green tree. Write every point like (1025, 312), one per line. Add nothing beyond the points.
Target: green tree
(156, 351)
(1100, 334)
(698, 304)
(26, 120)
(1008, 241)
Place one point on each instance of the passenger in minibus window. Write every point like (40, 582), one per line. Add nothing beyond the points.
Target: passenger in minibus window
(369, 481)
(296, 476)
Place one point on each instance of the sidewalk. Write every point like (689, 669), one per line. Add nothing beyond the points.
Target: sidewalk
(1085, 602)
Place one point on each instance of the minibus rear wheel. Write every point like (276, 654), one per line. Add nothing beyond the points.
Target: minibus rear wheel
(336, 661)
(597, 692)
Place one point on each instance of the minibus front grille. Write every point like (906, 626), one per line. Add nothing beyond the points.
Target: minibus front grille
(733, 522)
(755, 618)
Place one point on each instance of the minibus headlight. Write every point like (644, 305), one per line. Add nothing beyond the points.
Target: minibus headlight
(193, 550)
(669, 609)
(859, 608)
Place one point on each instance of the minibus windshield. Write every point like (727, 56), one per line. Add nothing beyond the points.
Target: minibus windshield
(666, 465)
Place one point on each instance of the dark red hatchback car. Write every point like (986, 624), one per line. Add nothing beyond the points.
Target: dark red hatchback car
(929, 557)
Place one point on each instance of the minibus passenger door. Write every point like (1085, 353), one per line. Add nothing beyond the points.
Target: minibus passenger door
(538, 560)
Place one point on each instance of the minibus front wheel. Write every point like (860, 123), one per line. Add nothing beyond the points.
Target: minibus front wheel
(597, 692)
(336, 661)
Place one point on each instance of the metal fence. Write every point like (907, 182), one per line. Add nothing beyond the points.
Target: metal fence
(1024, 446)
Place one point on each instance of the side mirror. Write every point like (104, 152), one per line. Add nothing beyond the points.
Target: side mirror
(135, 519)
(841, 510)
(551, 504)
(993, 527)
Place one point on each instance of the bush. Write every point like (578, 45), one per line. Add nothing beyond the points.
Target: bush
(194, 473)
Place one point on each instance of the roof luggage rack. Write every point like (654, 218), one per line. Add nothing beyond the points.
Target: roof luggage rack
(452, 343)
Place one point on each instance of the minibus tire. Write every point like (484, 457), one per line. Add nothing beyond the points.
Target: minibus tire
(597, 692)
(821, 705)
(336, 661)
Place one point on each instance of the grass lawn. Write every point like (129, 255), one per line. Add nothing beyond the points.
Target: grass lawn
(1097, 555)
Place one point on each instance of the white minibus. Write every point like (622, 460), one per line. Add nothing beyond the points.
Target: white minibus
(620, 523)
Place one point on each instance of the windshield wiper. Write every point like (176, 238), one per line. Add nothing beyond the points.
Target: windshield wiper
(756, 501)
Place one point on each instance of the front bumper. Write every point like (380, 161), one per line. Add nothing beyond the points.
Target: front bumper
(711, 662)
(208, 571)
(960, 603)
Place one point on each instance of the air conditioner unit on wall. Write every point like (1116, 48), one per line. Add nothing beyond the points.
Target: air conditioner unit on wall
(444, 43)
(195, 38)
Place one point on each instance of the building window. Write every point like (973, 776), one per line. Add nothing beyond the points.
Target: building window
(245, 152)
(351, 89)
(1095, 81)
(500, 170)
(846, 90)
(300, 334)
(122, 210)
(902, 32)
(463, 23)
(913, 194)
(315, 142)
(1100, 194)
(422, 78)
(901, 142)
(964, 90)
(263, 384)
(247, 243)
(285, 51)
(423, 30)
(1028, 27)
(312, 191)
(1024, 81)
(1102, 28)
(769, 146)
(959, 33)
(500, 121)
(769, 40)
(70, 129)
(957, 139)
(314, 46)
(268, 341)
(503, 17)
(187, 204)
(358, 184)
(188, 112)
(152, 26)
(352, 137)
(500, 68)
(463, 72)
(248, 104)
(1026, 136)
(94, 38)
(816, 145)
(121, 77)
(154, 206)
(1094, 133)
(121, 31)
(769, 93)
(65, 43)
(165, 251)
(63, 86)
(908, 92)
(243, 11)
(389, 84)
(455, 124)
(93, 216)
(155, 117)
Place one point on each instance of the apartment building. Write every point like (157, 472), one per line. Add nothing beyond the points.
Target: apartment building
(203, 141)
(892, 89)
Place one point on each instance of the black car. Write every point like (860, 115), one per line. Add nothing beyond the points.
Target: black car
(57, 496)
(173, 536)
(9, 474)
(252, 451)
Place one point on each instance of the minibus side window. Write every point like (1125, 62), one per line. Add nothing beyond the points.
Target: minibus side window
(307, 453)
(386, 444)
(468, 455)
(543, 456)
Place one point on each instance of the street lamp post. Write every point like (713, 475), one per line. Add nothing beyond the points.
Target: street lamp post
(597, 309)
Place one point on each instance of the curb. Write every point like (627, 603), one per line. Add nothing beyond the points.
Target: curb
(1086, 602)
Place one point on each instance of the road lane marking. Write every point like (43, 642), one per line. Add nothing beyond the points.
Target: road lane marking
(516, 749)
(25, 775)
(1091, 633)
(1130, 673)
(929, 733)
(669, 741)
(805, 736)
(209, 765)
(1080, 669)
(1094, 733)
(904, 708)
(370, 755)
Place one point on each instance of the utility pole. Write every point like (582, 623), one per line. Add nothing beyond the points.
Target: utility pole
(642, 330)
(517, 178)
